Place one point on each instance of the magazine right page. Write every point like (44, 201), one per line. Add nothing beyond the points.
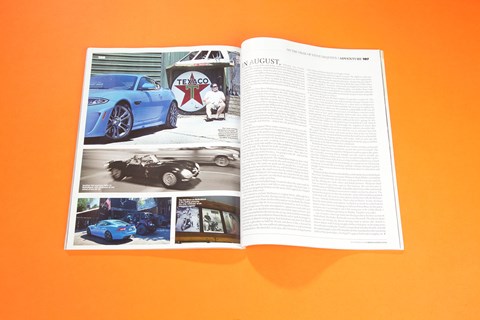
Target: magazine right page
(317, 158)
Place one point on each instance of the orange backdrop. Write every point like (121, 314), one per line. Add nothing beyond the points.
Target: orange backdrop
(431, 51)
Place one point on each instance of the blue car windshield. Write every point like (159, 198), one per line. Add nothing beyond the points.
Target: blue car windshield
(112, 81)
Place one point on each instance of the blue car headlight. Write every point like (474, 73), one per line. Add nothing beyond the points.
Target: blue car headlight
(96, 101)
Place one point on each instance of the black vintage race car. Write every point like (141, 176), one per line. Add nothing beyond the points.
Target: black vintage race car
(144, 222)
(170, 173)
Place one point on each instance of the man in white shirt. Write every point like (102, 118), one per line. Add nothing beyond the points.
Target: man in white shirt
(214, 100)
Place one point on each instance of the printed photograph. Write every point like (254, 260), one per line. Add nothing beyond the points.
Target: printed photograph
(163, 97)
(232, 223)
(123, 221)
(155, 169)
(212, 220)
(208, 219)
(188, 219)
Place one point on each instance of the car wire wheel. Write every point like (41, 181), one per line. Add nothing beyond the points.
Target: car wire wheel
(117, 174)
(169, 179)
(120, 123)
(221, 161)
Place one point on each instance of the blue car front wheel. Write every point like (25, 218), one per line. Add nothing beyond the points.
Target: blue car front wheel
(120, 123)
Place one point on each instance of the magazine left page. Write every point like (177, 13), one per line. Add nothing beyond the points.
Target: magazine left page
(157, 162)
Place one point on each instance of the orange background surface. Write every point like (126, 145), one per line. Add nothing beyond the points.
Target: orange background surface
(431, 54)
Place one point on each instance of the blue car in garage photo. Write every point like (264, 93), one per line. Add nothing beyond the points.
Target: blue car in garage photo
(121, 103)
(112, 230)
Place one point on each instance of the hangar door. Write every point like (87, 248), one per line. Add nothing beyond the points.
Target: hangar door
(148, 63)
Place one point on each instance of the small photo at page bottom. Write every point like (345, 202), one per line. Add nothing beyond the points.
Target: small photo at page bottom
(122, 222)
(207, 219)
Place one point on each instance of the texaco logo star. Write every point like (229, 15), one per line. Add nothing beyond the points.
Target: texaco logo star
(191, 90)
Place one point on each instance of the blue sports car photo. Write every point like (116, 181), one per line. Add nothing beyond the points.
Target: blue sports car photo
(112, 230)
(121, 103)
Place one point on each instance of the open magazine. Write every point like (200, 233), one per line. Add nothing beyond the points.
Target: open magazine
(275, 142)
